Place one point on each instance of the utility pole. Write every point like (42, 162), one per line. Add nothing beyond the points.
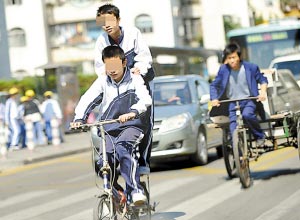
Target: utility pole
(4, 60)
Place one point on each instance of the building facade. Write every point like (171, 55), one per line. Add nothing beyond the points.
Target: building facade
(64, 31)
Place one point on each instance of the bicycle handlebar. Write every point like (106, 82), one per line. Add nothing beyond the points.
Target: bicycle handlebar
(98, 123)
(235, 100)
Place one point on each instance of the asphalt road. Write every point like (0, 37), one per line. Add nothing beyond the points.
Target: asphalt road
(64, 189)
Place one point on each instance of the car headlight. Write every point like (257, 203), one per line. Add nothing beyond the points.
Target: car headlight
(174, 122)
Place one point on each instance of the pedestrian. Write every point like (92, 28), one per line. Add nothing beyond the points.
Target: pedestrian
(33, 115)
(23, 99)
(238, 79)
(121, 95)
(52, 116)
(11, 119)
(139, 61)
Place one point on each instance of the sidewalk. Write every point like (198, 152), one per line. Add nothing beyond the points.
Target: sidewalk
(73, 143)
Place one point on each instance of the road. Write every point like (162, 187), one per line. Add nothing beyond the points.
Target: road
(64, 189)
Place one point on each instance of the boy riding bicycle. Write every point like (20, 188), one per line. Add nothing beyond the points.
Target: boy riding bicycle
(122, 96)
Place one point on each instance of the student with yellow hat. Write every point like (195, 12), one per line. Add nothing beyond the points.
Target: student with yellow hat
(52, 116)
(11, 119)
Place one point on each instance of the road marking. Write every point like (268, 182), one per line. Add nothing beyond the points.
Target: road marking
(282, 208)
(273, 159)
(207, 170)
(169, 186)
(195, 206)
(84, 215)
(82, 177)
(26, 167)
(156, 190)
(14, 200)
(50, 206)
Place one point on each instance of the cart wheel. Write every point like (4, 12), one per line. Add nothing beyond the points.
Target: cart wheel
(228, 153)
(241, 163)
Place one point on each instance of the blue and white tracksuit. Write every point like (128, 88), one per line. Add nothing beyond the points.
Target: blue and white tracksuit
(138, 55)
(115, 99)
(50, 110)
(11, 120)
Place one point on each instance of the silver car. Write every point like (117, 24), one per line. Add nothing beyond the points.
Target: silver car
(181, 118)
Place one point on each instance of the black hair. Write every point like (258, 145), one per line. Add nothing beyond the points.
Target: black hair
(113, 51)
(109, 9)
(231, 48)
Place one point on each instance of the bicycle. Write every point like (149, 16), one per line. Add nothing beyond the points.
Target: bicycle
(112, 204)
(239, 145)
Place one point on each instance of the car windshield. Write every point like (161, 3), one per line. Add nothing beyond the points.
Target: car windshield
(293, 66)
(171, 93)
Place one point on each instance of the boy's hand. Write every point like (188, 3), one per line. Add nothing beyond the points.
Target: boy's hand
(126, 117)
(75, 125)
(215, 102)
(135, 70)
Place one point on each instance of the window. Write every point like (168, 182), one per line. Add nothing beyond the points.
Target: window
(193, 29)
(144, 23)
(17, 37)
(13, 2)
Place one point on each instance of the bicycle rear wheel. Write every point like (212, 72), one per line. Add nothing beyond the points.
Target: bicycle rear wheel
(241, 162)
(228, 153)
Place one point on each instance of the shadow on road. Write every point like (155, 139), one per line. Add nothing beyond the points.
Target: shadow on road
(179, 163)
(269, 174)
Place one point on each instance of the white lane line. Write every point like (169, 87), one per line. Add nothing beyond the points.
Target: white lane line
(50, 206)
(84, 215)
(196, 205)
(169, 186)
(155, 191)
(23, 198)
(78, 178)
(278, 211)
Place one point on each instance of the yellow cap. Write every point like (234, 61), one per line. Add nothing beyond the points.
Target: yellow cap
(24, 99)
(29, 93)
(13, 91)
(48, 93)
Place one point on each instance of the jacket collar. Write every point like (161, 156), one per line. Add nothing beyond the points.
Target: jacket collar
(126, 77)
(120, 39)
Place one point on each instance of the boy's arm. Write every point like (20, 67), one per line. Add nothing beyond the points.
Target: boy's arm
(143, 59)
(89, 100)
(144, 98)
(98, 63)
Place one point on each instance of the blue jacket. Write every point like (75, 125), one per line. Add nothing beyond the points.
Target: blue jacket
(253, 76)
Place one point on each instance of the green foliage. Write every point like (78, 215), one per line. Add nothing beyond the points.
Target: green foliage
(85, 81)
(38, 83)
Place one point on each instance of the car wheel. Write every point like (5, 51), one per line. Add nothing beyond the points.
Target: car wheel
(201, 155)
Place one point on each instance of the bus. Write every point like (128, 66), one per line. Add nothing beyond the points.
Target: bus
(185, 60)
(262, 43)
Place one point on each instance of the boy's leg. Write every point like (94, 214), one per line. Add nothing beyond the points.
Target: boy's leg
(251, 119)
(145, 146)
(125, 145)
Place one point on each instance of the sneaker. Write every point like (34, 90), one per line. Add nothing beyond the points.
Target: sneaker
(13, 148)
(260, 142)
(144, 170)
(138, 199)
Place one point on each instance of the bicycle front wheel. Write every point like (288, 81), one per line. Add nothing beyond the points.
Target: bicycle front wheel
(102, 208)
(228, 153)
(241, 161)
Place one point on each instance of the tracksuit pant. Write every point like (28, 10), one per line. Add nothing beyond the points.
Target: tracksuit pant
(248, 108)
(122, 150)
